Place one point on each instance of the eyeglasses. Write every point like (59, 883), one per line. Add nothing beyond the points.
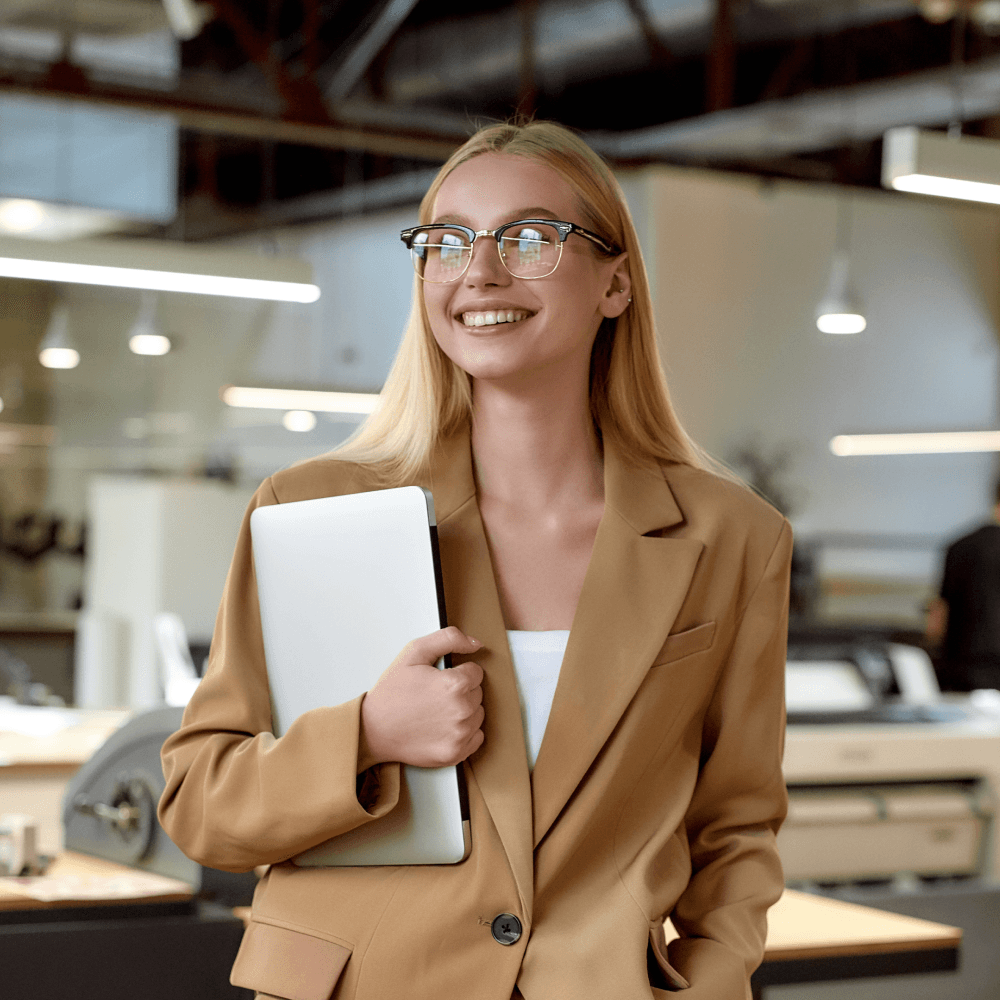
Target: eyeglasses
(529, 248)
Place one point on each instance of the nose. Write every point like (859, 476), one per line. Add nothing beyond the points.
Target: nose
(486, 267)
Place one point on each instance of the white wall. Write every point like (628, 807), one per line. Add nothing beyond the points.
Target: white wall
(740, 266)
(737, 267)
(157, 545)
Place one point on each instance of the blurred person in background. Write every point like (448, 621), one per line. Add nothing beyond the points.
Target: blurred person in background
(627, 601)
(964, 621)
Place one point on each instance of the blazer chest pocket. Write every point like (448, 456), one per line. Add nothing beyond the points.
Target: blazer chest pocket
(284, 964)
(686, 643)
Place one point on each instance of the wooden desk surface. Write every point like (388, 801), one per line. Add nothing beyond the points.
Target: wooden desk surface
(67, 749)
(801, 925)
(80, 880)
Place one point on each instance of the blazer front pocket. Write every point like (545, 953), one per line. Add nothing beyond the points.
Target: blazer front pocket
(288, 965)
(692, 640)
(662, 974)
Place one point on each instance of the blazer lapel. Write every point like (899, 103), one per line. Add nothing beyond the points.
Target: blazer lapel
(500, 766)
(632, 592)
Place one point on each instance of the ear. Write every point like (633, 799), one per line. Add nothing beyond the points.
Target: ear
(618, 293)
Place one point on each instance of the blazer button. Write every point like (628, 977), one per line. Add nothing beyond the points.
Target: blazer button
(506, 928)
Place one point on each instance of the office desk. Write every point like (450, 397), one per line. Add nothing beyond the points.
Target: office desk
(106, 932)
(816, 939)
(34, 770)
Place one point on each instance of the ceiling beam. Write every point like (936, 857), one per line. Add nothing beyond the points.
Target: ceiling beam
(200, 117)
(720, 68)
(301, 96)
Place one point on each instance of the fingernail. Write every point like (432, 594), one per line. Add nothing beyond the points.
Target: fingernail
(475, 642)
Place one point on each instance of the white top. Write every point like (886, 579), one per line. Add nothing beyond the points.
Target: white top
(537, 658)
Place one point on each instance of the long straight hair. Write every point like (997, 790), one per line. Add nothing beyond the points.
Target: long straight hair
(427, 396)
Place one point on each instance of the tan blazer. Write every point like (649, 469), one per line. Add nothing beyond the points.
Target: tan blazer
(657, 790)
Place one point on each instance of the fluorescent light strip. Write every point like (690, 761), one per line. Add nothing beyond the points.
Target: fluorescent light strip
(299, 399)
(948, 187)
(935, 443)
(159, 281)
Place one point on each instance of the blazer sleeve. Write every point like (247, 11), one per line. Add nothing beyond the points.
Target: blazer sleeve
(236, 796)
(739, 801)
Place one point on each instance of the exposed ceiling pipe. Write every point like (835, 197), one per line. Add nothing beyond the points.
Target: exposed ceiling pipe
(585, 38)
(371, 196)
(365, 46)
(815, 121)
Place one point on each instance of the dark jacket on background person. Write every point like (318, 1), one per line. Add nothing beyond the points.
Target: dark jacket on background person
(970, 656)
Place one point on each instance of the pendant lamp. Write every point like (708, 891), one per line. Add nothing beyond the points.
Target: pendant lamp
(145, 335)
(56, 349)
(839, 310)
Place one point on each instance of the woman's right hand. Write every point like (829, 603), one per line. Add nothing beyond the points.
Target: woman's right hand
(417, 714)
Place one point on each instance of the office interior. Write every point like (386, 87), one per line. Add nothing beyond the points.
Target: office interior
(290, 141)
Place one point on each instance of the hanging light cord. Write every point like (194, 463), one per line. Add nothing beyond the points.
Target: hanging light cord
(958, 27)
(845, 224)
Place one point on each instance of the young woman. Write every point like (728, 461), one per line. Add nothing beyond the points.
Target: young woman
(606, 589)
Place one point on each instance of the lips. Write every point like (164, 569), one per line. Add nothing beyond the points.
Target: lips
(493, 317)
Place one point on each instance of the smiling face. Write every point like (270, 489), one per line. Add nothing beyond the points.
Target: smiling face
(501, 328)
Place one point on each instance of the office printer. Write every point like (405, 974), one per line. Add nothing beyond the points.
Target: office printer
(887, 777)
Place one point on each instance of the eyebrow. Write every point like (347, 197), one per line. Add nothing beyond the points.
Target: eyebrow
(535, 212)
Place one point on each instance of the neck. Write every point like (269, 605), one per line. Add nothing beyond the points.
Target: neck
(535, 445)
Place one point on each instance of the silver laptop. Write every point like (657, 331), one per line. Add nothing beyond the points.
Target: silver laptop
(344, 583)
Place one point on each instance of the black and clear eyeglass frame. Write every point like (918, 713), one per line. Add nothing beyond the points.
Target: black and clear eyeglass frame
(563, 228)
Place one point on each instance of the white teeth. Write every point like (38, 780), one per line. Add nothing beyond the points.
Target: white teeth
(490, 318)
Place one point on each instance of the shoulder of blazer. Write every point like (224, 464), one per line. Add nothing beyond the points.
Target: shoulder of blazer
(323, 476)
(719, 511)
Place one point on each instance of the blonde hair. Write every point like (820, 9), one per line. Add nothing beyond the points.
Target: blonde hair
(427, 396)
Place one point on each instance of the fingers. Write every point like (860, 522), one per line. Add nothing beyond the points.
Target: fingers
(466, 741)
(475, 742)
(467, 676)
(430, 648)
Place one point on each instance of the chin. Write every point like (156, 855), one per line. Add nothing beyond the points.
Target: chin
(482, 365)
(480, 357)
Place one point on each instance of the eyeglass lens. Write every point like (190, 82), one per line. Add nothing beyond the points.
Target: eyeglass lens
(443, 254)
